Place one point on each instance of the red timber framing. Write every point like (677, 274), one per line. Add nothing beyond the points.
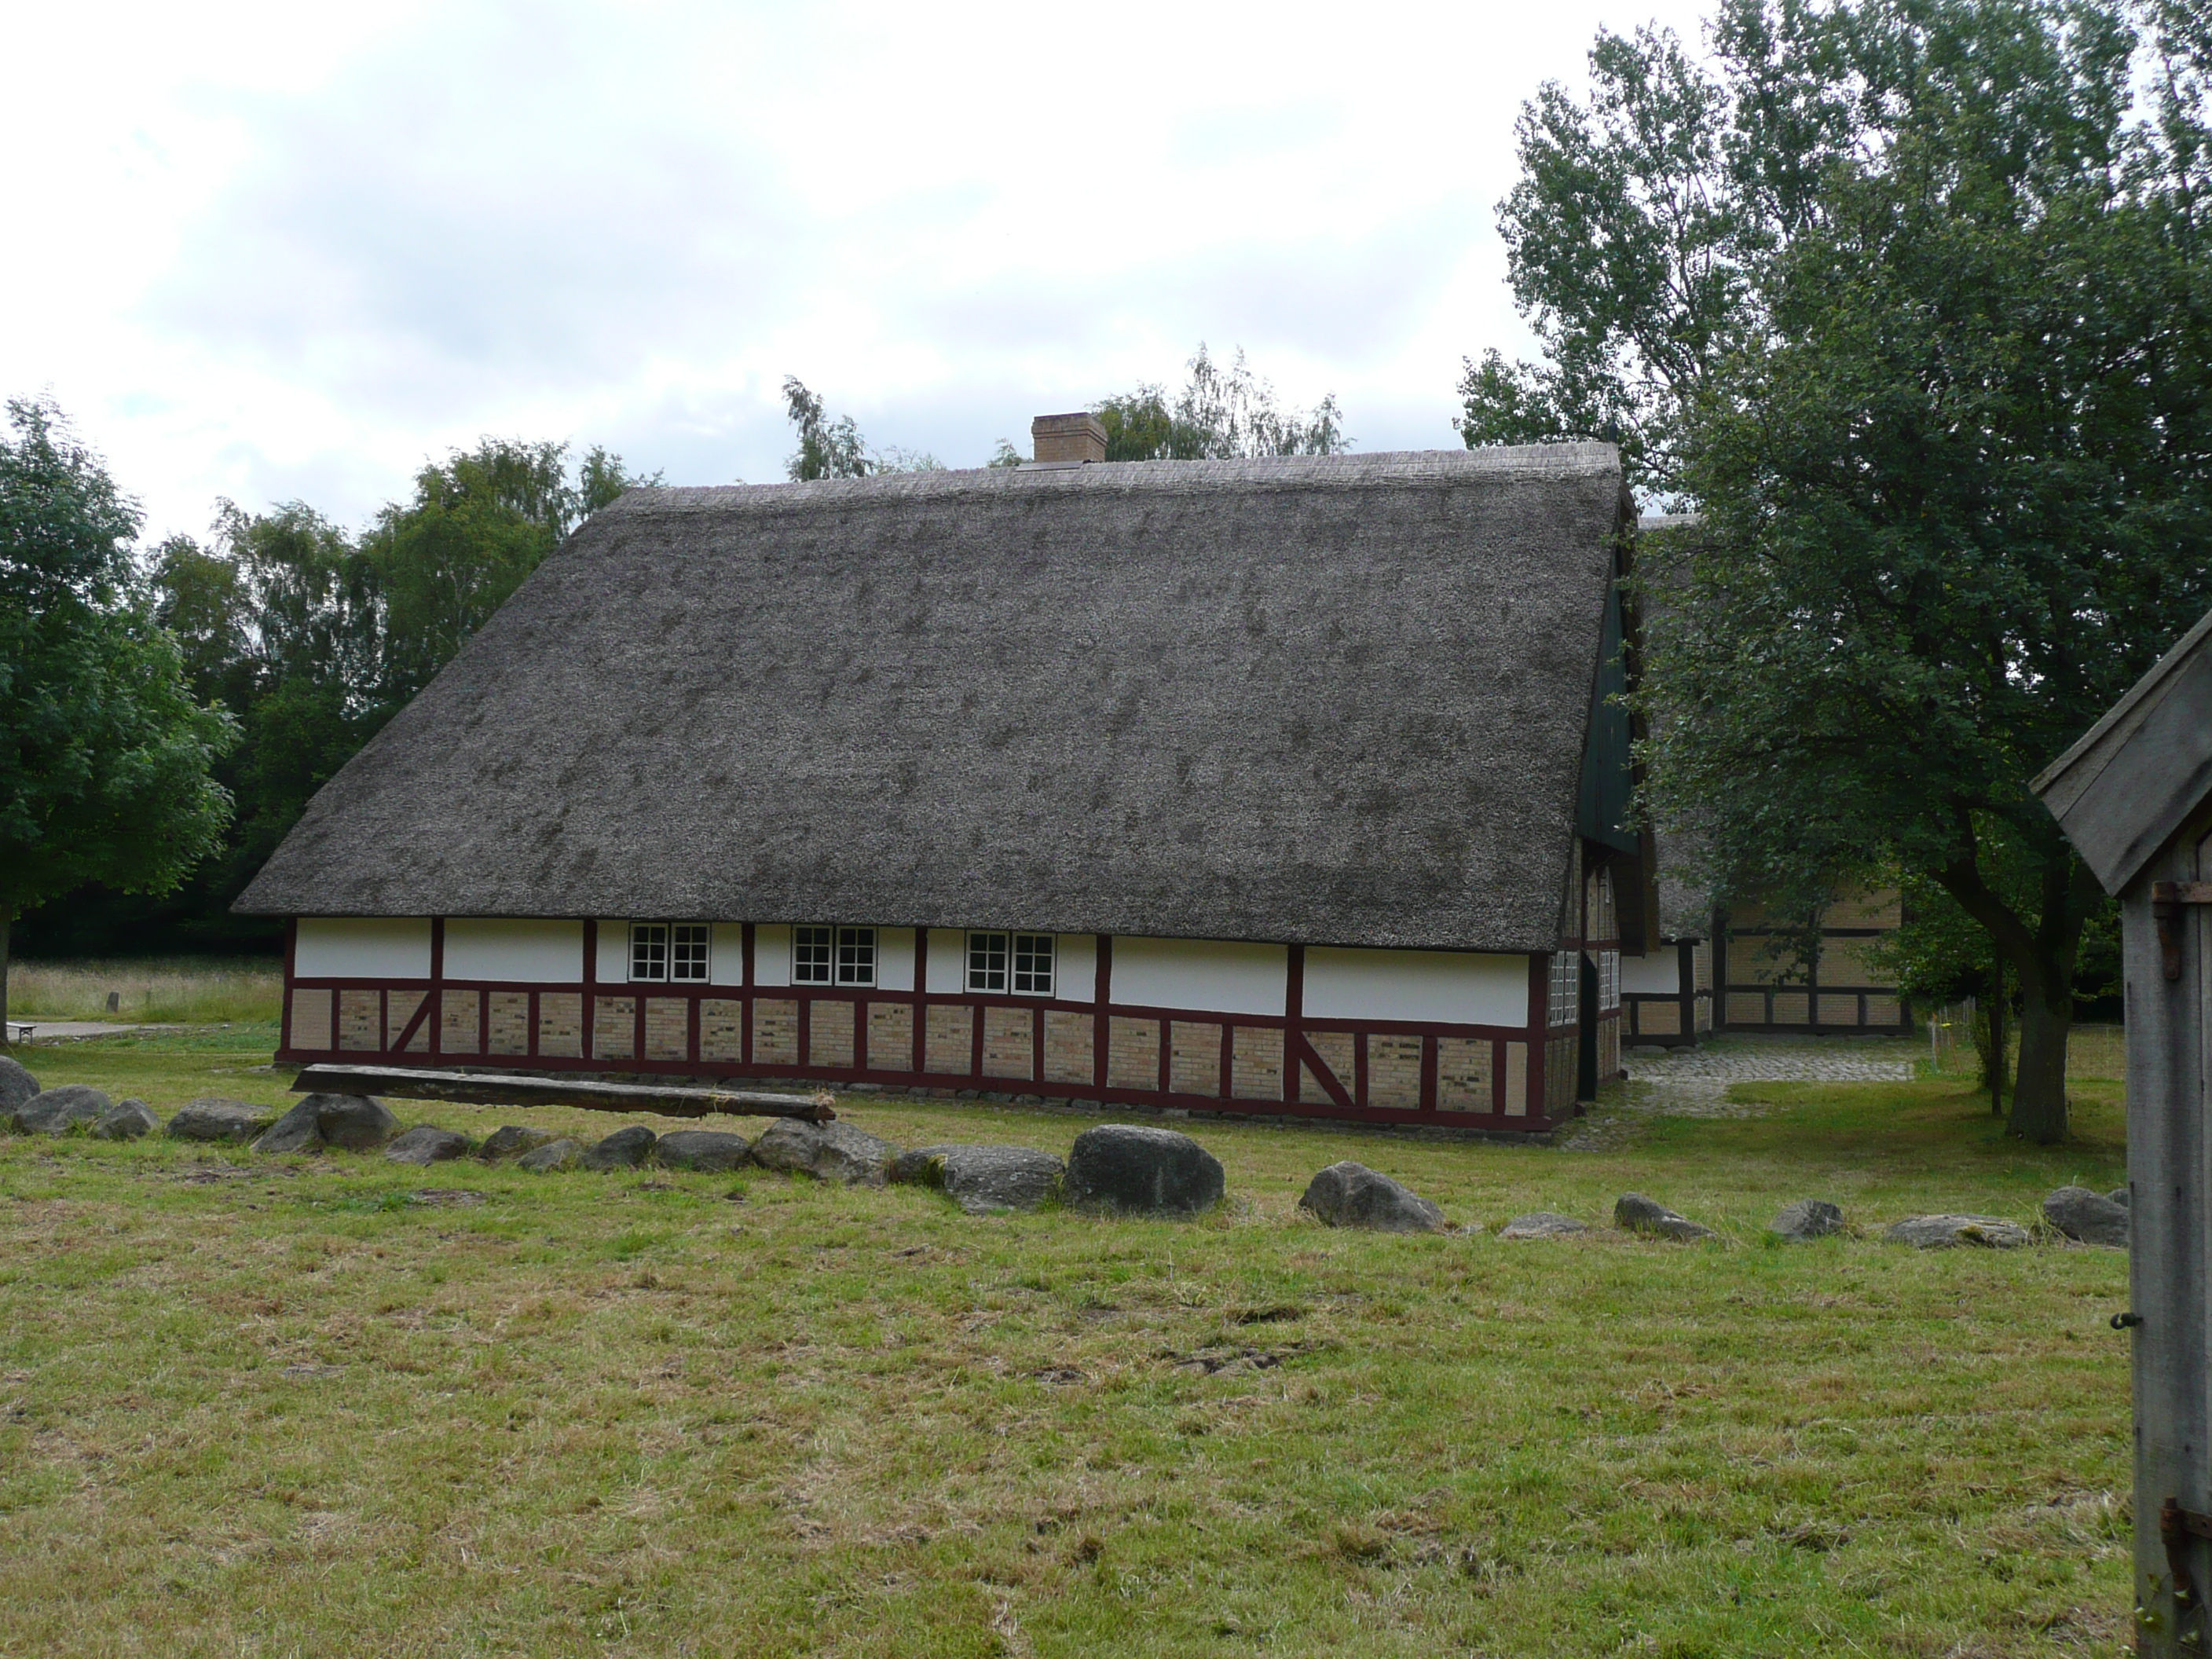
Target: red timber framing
(1402, 1072)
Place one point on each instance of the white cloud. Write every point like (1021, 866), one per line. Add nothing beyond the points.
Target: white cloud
(281, 251)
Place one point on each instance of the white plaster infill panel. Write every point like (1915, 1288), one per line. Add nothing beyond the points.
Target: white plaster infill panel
(362, 947)
(614, 952)
(1455, 988)
(894, 958)
(1659, 974)
(948, 961)
(1075, 968)
(477, 948)
(726, 954)
(772, 954)
(1204, 975)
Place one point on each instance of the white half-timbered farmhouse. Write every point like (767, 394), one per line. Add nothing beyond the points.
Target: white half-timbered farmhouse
(1288, 786)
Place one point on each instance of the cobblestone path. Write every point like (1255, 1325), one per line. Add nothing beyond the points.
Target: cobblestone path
(1695, 1082)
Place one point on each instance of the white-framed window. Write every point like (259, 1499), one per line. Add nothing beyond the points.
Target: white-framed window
(812, 953)
(1608, 981)
(1567, 987)
(1019, 963)
(1033, 964)
(986, 962)
(856, 955)
(664, 950)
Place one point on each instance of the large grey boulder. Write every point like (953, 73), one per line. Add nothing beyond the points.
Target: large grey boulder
(214, 1119)
(16, 1086)
(1349, 1194)
(828, 1152)
(553, 1156)
(625, 1149)
(985, 1179)
(1939, 1232)
(1807, 1218)
(426, 1143)
(352, 1123)
(1132, 1166)
(919, 1166)
(714, 1150)
(512, 1141)
(1632, 1212)
(56, 1111)
(1543, 1224)
(2090, 1216)
(126, 1120)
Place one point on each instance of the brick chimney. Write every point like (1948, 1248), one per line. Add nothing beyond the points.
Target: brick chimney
(1068, 440)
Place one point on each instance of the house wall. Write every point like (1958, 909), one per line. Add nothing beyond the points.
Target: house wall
(541, 951)
(1381, 1036)
(1844, 992)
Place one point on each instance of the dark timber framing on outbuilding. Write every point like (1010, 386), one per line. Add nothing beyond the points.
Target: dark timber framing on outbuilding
(2134, 797)
(1301, 774)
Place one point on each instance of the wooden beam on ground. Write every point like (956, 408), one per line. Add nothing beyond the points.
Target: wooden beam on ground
(500, 1089)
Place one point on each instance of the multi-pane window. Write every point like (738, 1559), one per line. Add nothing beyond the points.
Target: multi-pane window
(1608, 981)
(810, 953)
(662, 951)
(687, 951)
(856, 955)
(986, 962)
(1033, 964)
(1567, 987)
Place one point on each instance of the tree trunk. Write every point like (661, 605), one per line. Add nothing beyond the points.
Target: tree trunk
(2038, 1088)
(7, 922)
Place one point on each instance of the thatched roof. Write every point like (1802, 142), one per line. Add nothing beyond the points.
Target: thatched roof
(1331, 700)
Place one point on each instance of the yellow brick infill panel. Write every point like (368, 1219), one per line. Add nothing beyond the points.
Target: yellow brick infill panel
(667, 1028)
(1393, 1071)
(776, 1031)
(510, 1023)
(1256, 1063)
(1659, 1018)
(1133, 1053)
(829, 1033)
(1068, 1047)
(1516, 1079)
(950, 1041)
(399, 1011)
(311, 1020)
(614, 1028)
(457, 1023)
(1194, 1059)
(890, 1036)
(360, 1020)
(561, 1023)
(1463, 1074)
(722, 1029)
(1009, 1042)
(1335, 1049)
(1838, 1010)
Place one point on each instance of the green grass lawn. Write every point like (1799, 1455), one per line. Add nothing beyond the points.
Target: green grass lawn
(327, 1406)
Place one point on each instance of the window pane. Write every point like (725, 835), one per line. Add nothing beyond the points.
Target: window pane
(810, 955)
(648, 949)
(986, 962)
(1033, 964)
(856, 955)
(687, 951)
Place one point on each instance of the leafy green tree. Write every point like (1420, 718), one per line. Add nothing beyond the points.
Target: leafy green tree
(1221, 414)
(104, 756)
(835, 449)
(1902, 303)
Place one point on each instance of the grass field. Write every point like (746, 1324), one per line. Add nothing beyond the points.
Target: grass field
(198, 989)
(326, 1405)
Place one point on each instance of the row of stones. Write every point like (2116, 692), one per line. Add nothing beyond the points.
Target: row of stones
(2076, 1212)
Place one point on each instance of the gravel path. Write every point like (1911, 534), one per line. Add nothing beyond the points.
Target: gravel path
(1695, 1082)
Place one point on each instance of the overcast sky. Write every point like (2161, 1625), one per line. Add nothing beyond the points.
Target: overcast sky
(274, 252)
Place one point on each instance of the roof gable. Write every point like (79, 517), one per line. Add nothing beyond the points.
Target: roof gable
(1338, 699)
